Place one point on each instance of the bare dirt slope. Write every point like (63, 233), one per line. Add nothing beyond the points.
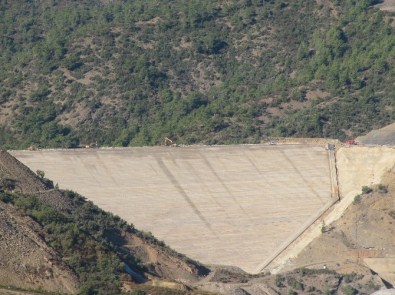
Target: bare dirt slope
(22, 179)
(301, 281)
(366, 230)
(383, 136)
(8, 291)
(27, 262)
(387, 5)
(356, 166)
(160, 261)
(361, 238)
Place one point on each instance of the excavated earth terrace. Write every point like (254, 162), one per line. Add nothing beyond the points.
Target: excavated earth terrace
(227, 205)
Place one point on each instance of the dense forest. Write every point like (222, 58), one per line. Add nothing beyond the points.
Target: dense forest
(128, 73)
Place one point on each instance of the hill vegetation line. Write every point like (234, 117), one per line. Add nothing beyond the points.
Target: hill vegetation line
(128, 73)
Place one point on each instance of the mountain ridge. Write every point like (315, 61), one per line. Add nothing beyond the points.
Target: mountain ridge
(130, 73)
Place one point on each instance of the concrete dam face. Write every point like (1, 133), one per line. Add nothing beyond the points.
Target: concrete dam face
(227, 205)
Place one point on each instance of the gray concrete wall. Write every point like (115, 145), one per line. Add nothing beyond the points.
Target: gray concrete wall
(356, 166)
(232, 205)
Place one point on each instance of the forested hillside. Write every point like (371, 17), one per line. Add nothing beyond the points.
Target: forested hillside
(212, 71)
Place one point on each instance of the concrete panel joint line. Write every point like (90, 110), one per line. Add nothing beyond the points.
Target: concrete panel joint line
(229, 205)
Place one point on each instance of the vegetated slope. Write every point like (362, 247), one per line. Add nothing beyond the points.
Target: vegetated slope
(131, 72)
(300, 281)
(18, 177)
(26, 260)
(45, 244)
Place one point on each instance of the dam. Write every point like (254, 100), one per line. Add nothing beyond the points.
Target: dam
(236, 205)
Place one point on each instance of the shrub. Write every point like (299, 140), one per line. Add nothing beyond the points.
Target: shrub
(307, 271)
(7, 184)
(292, 282)
(357, 199)
(279, 281)
(373, 286)
(349, 290)
(323, 227)
(366, 190)
(348, 278)
(40, 174)
(311, 289)
(6, 198)
(382, 188)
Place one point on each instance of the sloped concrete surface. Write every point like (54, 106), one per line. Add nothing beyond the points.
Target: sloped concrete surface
(362, 166)
(227, 205)
(357, 166)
